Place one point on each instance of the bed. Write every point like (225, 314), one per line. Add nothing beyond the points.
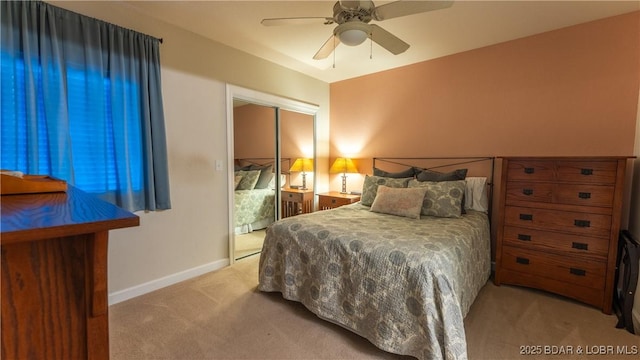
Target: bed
(254, 195)
(403, 282)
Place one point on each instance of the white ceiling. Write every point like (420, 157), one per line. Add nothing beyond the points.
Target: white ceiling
(464, 26)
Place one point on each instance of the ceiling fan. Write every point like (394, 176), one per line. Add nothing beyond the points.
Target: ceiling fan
(353, 18)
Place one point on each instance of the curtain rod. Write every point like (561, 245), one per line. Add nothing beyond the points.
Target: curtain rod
(96, 19)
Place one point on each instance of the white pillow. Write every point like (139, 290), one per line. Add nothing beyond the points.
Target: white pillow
(475, 194)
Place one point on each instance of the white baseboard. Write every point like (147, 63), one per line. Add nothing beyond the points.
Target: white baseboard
(130, 293)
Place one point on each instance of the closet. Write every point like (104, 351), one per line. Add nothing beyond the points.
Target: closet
(266, 131)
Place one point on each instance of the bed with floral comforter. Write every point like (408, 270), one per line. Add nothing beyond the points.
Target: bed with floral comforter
(404, 284)
(253, 209)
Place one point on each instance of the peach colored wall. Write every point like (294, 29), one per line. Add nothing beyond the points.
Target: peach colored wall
(254, 135)
(254, 131)
(572, 91)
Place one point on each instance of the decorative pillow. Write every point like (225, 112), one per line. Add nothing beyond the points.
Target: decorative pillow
(475, 194)
(410, 172)
(405, 202)
(237, 180)
(371, 183)
(249, 179)
(266, 174)
(443, 198)
(283, 181)
(430, 175)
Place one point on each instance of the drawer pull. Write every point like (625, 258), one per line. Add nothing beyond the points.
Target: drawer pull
(586, 171)
(523, 261)
(529, 170)
(526, 217)
(582, 223)
(333, 201)
(584, 195)
(524, 237)
(527, 191)
(578, 272)
(580, 246)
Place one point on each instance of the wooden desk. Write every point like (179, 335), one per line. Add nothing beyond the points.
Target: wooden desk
(54, 274)
(296, 201)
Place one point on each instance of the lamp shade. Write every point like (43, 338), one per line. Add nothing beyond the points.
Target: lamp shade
(302, 165)
(343, 166)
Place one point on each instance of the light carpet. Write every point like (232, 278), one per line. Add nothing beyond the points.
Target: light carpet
(221, 315)
(248, 244)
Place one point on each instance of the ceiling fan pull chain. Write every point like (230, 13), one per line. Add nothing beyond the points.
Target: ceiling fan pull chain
(334, 52)
(371, 47)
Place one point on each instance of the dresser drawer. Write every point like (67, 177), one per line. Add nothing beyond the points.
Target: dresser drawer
(595, 225)
(572, 194)
(592, 172)
(587, 195)
(576, 271)
(329, 202)
(531, 170)
(595, 248)
(529, 191)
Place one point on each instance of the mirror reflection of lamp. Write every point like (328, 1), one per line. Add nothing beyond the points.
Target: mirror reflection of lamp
(343, 166)
(302, 165)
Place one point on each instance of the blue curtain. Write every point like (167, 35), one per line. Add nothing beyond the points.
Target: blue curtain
(81, 101)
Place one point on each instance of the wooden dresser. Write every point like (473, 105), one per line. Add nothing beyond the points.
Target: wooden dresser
(558, 225)
(54, 274)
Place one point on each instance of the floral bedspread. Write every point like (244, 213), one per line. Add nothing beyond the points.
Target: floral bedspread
(404, 284)
(254, 206)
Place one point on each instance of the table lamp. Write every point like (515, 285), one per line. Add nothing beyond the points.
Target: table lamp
(302, 165)
(343, 166)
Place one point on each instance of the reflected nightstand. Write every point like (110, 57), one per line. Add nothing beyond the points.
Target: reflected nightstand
(296, 201)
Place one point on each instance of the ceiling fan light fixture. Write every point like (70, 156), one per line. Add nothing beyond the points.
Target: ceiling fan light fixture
(353, 37)
(352, 33)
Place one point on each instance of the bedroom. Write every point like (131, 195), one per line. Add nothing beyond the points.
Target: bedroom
(195, 71)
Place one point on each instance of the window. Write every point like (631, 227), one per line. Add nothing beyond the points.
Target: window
(81, 100)
(91, 128)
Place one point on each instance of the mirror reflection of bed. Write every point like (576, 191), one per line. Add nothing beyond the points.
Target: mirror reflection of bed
(254, 202)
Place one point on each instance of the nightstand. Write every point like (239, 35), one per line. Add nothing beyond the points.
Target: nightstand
(296, 201)
(334, 199)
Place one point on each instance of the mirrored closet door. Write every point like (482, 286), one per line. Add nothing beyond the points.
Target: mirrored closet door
(270, 137)
(254, 138)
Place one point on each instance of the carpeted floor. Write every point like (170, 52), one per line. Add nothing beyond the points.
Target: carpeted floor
(221, 315)
(248, 244)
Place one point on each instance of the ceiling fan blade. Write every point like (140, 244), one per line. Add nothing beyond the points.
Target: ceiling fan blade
(404, 8)
(296, 21)
(387, 40)
(327, 48)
